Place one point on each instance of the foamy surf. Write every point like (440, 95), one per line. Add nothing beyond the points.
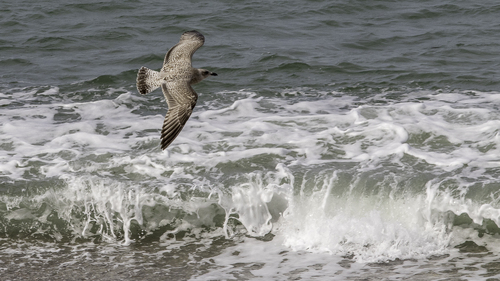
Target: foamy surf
(374, 180)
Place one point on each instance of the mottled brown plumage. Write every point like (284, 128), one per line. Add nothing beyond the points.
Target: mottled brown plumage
(175, 78)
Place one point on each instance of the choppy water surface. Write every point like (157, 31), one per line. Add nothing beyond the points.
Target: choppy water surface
(344, 141)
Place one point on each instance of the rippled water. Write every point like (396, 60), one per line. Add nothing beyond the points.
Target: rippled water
(341, 140)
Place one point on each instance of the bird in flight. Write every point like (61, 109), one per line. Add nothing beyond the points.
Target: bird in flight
(175, 79)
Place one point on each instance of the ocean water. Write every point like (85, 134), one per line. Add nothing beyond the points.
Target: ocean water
(341, 140)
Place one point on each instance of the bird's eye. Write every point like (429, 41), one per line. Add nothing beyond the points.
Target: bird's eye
(205, 72)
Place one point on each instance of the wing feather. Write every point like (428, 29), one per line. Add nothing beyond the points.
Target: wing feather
(181, 99)
(183, 51)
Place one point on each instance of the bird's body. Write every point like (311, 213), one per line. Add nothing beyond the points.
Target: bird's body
(175, 79)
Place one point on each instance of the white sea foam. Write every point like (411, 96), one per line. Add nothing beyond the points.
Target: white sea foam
(367, 229)
(375, 178)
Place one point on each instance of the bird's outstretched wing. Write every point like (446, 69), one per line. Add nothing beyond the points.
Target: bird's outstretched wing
(181, 99)
(182, 52)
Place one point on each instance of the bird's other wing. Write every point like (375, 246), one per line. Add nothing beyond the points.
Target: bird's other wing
(183, 51)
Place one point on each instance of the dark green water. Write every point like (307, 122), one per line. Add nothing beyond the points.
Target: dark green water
(353, 44)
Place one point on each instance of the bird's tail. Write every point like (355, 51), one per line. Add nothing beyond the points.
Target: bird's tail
(147, 80)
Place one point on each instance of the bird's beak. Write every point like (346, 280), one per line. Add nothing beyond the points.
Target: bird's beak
(213, 74)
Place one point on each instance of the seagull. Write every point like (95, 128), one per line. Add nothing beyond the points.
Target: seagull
(175, 79)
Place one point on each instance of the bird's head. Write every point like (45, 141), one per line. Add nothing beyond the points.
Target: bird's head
(202, 74)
